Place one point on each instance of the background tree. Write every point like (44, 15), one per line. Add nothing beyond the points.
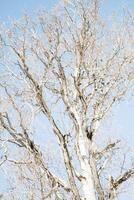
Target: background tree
(65, 69)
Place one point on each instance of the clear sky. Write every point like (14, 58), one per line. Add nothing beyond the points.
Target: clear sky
(124, 114)
(15, 8)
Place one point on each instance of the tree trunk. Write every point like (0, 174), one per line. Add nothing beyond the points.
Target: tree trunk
(88, 185)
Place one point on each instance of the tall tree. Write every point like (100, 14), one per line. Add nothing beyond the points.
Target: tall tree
(66, 69)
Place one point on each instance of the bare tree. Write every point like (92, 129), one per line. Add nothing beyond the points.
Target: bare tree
(65, 69)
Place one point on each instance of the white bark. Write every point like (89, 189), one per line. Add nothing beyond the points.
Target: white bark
(86, 171)
(87, 181)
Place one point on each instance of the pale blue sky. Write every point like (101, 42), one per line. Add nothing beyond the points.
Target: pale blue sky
(15, 8)
(124, 114)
